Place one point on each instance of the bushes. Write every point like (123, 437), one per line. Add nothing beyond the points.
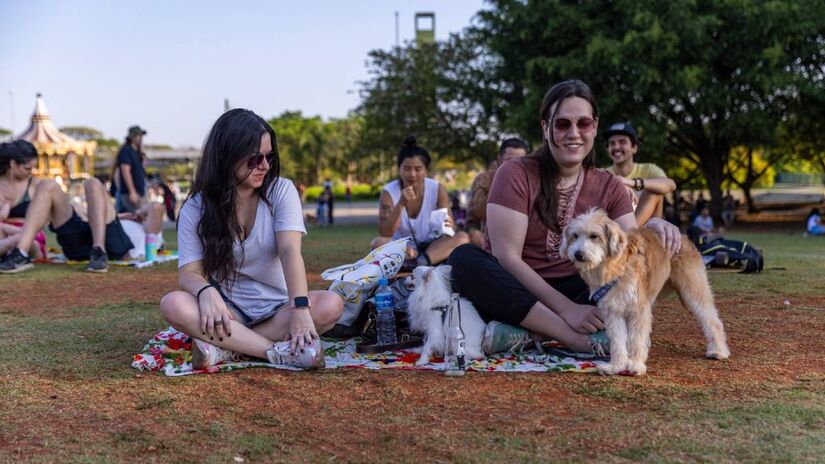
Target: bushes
(359, 192)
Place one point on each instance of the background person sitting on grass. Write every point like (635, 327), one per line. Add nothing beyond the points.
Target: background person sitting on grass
(814, 224)
(477, 206)
(406, 203)
(647, 182)
(94, 234)
(17, 188)
(241, 273)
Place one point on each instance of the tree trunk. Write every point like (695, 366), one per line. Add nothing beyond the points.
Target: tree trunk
(713, 167)
(746, 190)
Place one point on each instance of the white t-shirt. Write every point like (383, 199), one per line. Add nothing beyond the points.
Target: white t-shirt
(260, 284)
(421, 224)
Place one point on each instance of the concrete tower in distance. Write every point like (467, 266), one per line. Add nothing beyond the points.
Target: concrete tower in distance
(424, 28)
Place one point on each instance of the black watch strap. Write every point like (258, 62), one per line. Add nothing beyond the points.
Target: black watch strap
(301, 302)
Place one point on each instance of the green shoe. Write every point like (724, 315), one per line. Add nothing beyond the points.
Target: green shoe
(500, 337)
(599, 344)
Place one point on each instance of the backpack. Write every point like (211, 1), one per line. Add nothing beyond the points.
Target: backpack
(720, 252)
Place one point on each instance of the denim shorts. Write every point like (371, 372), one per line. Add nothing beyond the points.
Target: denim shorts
(243, 316)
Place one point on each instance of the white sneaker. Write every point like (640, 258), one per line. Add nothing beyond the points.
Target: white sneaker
(312, 356)
(205, 355)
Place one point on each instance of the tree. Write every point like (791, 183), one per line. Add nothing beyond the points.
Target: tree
(699, 76)
(301, 145)
(4, 132)
(82, 132)
(439, 92)
(748, 166)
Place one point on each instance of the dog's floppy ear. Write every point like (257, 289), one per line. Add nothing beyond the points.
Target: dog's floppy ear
(616, 238)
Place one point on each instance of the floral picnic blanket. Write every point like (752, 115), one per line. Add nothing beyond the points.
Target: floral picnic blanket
(164, 256)
(169, 352)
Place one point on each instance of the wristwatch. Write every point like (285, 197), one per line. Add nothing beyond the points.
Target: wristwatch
(300, 302)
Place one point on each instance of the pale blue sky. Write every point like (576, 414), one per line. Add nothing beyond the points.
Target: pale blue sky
(167, 65)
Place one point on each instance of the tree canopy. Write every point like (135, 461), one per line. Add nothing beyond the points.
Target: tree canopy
(698, 77)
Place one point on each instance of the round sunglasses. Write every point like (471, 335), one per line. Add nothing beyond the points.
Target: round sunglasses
(584, 125)
(256, 159)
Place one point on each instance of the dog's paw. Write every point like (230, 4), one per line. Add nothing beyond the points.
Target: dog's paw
(718, 353)
(423, 360)
(635, 368)
(610, 369)
(475, 355)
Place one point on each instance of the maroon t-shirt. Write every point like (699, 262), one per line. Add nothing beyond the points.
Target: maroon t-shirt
(517, 185)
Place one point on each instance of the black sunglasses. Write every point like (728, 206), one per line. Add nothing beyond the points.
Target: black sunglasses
(258, 158)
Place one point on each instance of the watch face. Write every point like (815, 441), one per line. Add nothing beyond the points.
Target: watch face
(301, 302)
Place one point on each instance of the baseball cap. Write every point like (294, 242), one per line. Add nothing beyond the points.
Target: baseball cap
(623, 128)
(136, 130)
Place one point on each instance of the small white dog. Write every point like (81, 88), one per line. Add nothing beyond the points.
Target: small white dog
(427, 307)
(625, 273)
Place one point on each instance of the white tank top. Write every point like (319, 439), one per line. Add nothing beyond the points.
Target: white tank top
(421, 223)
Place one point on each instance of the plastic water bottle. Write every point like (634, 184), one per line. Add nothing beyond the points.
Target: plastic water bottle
(454, 344)
(385, 317)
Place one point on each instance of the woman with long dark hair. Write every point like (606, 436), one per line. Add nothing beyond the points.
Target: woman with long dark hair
(243, 280)
(522, 283)
(17, 188)
(406, 203)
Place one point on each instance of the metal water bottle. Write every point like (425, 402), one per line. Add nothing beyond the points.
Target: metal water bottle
(454, 344)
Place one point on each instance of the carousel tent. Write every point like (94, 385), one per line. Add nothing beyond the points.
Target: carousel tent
(57, 153)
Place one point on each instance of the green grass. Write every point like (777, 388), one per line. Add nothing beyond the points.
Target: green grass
(88, 343)
(53, 362)
(794, 265)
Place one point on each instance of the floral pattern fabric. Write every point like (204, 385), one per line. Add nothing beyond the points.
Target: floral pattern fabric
(169, 352)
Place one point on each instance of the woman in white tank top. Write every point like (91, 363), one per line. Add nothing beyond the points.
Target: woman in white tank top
(405, 206)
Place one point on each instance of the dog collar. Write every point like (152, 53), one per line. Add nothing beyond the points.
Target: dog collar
(602, 291)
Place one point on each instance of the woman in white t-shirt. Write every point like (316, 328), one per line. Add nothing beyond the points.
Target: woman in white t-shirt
(406, 203)
(242, 276)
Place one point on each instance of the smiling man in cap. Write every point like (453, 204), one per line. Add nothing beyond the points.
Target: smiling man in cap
(648, 182)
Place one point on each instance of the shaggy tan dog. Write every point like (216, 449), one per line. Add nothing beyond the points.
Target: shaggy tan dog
(625, 273)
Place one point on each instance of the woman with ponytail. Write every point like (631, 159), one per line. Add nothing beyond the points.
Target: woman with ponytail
(406, 203)
(521, 283)
(242, 276)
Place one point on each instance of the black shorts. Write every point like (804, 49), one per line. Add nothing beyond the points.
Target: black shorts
(75, 238)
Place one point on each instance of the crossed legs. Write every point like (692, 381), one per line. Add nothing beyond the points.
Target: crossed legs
(181, 310)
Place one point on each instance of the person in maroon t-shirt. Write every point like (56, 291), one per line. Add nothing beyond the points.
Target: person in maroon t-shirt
(522, 283)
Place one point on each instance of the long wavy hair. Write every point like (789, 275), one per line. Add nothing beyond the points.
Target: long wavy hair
(547, 202)
(19, 151)
(235, 136)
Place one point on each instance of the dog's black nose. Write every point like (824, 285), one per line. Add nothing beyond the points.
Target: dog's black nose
(579, 256)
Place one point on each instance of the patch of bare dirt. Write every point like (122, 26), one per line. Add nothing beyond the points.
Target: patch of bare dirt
(359, 415)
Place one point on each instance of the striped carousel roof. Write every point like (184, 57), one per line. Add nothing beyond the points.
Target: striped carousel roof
(47, 139)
